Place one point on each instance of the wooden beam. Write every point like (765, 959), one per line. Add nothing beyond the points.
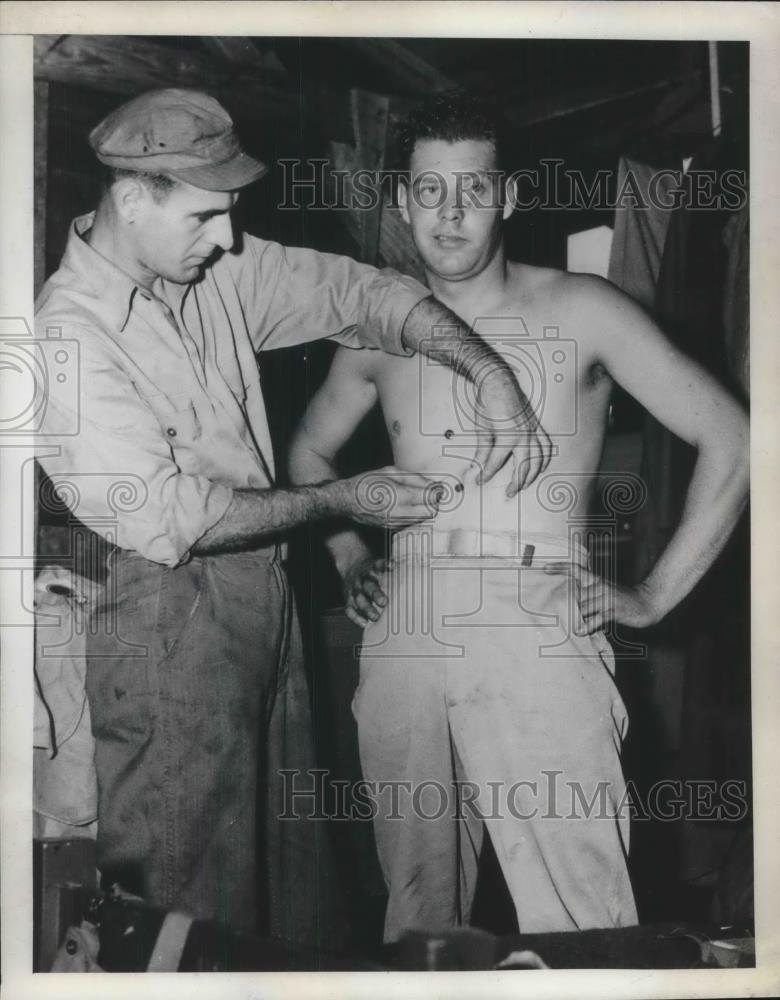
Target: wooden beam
(369, 113)
(369, 117)
(122, 66)
(40, 180)
(396, 248)
(40, 196)
(244, 54)
(118, 64)
(405, 67)
(381, 235)
(344, 159)
(536, 111)
(131, 65)
(234, 50)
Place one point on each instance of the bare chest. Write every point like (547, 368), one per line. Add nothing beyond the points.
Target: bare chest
(433, 415)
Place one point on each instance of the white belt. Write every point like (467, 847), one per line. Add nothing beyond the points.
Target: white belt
(529, 549)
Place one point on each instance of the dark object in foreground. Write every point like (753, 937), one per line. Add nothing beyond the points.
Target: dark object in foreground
(129, 933)
(659, 946)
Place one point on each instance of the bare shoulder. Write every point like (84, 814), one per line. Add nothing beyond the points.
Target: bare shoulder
(356, 363)
(542, 287)
(587, 303)
(593, 311)
(569, 291)
(598, 302)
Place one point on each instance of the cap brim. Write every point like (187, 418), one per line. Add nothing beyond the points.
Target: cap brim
(229, 176)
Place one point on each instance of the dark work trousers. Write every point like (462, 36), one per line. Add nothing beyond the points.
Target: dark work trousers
(198, 699)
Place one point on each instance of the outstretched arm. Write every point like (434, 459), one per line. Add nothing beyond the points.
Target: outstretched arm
(331, 418)
(294, 295)
(509, 425)
(382, 498)
(695, 407)
(385, 497)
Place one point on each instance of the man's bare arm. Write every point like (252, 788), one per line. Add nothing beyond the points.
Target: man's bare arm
(509, 424)
(695, 407)
(384, 497)
(333, 414)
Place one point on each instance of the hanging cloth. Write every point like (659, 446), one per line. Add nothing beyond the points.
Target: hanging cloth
(641, 224)
(736, 299)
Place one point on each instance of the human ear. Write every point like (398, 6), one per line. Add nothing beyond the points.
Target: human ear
(510, 197)
(403, 200)
(129, 197)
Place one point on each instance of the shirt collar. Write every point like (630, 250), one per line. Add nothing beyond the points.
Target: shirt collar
(115, 289)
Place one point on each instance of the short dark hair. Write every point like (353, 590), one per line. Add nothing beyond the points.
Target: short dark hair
(160, 185)
(452, 116)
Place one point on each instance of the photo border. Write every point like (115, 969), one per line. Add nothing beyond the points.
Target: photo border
(757, 23)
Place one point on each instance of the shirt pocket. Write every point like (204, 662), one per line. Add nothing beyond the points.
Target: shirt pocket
(181, 426)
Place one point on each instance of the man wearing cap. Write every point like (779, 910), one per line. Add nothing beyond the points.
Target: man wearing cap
(194, 667)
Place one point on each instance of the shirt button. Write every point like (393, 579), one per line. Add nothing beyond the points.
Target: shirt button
(172, 432)
(449, 434)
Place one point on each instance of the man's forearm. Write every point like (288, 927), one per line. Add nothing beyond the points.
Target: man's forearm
(381, 498)
(344, 544)
(507, 423)
(716, 497)
(255, 516)
(433, 329)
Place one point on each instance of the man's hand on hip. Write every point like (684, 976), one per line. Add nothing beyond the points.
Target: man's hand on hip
(601, 601)
(365, 590)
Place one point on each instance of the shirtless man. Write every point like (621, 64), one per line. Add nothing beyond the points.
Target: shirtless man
(486, 679)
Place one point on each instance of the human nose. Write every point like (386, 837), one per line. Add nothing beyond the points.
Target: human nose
(451, 208)
(222, 231)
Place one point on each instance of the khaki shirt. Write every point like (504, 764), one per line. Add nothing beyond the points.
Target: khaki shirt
(154, 411)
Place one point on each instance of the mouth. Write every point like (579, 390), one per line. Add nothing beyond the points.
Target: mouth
(448, 241)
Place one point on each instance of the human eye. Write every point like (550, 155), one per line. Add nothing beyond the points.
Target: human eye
(428, 190)
(473, 183)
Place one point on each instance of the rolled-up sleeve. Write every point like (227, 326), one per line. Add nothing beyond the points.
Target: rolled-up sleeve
(293, 295)
(105, 453)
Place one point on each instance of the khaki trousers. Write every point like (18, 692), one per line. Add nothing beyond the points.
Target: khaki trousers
(479, 707)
